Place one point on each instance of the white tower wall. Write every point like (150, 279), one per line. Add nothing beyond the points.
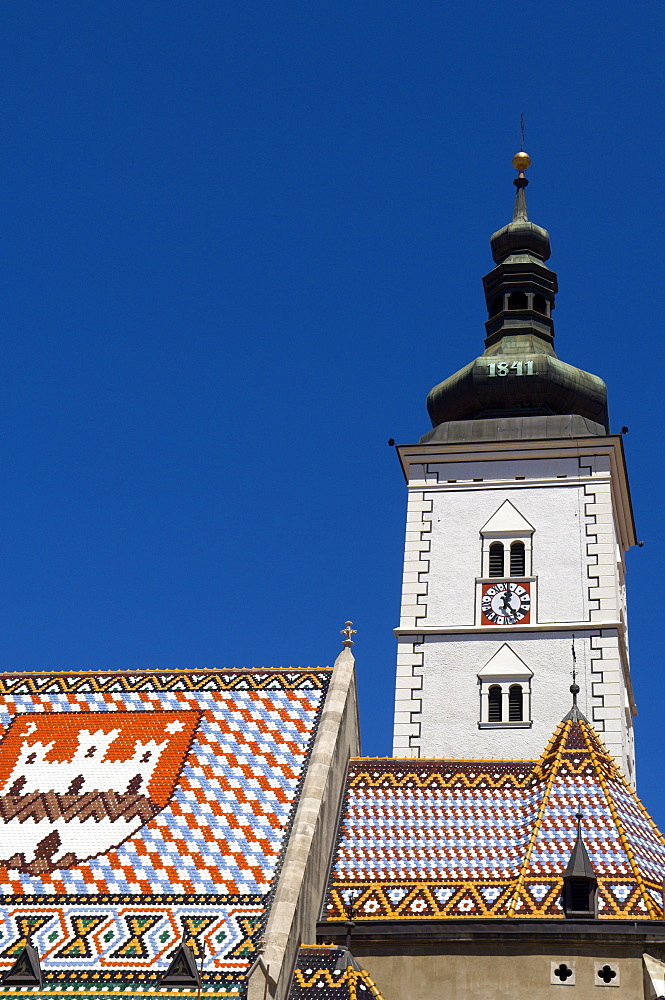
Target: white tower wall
(570, 500)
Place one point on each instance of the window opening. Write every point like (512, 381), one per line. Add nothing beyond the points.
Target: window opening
(563, 972)
(515, 703)
(580, 897)
(517, 300)
(539, 304)
(607, 974)
(579, 894)
(497, 305)
(517, 559)
(496, 559)
(494, 706)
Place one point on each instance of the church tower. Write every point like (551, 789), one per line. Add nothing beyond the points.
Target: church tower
(519, 516)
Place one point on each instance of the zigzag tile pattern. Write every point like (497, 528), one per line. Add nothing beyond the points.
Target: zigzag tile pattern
(330, 973)
(436, 839)
(138, 808)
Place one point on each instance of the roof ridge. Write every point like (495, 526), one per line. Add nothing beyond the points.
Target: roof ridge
(334, 947)
(614, 813)
(417, 761)
(563, 727)
(553, 749)
(349, 977)
(121, 671)
(365, 978)
(593, 745)
(591, 737)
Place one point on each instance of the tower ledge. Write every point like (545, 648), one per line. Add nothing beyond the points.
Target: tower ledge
(532, 428)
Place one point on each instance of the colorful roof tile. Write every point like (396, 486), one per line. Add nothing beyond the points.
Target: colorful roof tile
(138, 808)
(330, 973)
(452, 839)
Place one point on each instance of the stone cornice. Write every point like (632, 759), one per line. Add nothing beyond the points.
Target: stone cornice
(498, 929)
(492, 451)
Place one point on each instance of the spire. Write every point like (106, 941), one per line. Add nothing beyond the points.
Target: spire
(520, 212)
(520, 236)
(521, 161)
(574, 715)
(580, 885)
(579, 865)
(520, 292)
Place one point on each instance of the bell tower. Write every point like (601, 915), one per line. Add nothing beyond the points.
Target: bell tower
(519, 516)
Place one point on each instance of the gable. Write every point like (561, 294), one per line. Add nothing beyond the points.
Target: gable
(507, 520)
(506, 663)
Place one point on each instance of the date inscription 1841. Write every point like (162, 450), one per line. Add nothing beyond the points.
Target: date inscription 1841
(502, 368)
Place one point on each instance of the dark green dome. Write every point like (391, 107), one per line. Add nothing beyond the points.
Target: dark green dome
(519, 374)
(555, 387)
(520, 237)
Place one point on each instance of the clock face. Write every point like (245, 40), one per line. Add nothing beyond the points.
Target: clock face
(506, 603)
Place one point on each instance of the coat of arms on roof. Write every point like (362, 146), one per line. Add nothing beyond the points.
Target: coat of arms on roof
(74, 785)
(140, 810)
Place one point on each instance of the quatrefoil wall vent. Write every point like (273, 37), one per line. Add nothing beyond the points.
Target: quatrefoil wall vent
(606, 974)
(562, 973)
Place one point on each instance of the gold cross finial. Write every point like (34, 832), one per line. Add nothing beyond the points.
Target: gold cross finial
(348, 631)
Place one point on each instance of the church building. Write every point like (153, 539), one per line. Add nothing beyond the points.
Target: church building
(216, 833)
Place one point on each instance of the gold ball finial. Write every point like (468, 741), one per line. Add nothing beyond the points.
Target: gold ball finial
(521, 160)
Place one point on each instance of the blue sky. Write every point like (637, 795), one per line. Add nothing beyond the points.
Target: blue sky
(239, 242)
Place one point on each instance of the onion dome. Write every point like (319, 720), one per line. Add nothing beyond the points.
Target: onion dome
(519, 375)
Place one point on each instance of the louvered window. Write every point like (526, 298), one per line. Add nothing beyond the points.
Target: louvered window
(517, 559)
(580, 897)
(496, 559)
(494, 706)
(579, 894)
(515, 703)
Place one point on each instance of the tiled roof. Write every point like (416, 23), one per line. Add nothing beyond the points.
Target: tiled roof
(330, 973)
(452, 839)
(138, 808)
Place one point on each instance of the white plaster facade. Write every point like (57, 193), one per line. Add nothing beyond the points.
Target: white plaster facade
(569, 502)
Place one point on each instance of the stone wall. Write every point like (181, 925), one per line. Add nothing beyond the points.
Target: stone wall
(297, 900)
(511, 960)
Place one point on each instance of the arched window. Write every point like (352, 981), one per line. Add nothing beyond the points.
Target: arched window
(517, 300)
(497, 305)
(494, 706)
(505, 691)
(517, 559)
(496, 559)
(539, 304)
(515, 703)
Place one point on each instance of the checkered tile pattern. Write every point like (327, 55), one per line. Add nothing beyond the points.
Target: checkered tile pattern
(402, 826)
(436, 839)
(210, 853)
